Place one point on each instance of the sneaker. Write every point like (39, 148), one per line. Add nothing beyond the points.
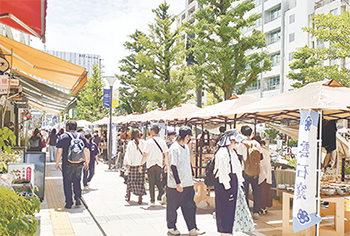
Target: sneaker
(78, 202)
(163, 202)
(196, 232)
(256, 216)
(151, 204)
(86, 188)
(68, 206)
(173, 232)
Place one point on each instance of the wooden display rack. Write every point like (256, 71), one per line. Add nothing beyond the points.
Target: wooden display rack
(336, 208)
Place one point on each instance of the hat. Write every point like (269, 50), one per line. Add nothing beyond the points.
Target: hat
(171, 133)
(184, 131)
(229, 135)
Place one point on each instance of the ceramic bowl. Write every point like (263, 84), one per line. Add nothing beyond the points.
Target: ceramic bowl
(329, 191)
(290, 188)
(281, 186)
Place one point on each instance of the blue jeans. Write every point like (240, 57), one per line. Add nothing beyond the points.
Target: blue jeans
(254, 182)
(52, 152)
(71, 178)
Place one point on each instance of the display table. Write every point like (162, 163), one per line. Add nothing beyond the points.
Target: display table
(336, 208)
(202, 193)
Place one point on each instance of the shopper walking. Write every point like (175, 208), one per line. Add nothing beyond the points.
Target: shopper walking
(232, 212)
(52, 141)
(153, 152)
(35, 142)
(250, 151)
(94, 152)
(133, 156)
(265, 177)
(180, 191)
(70, 146)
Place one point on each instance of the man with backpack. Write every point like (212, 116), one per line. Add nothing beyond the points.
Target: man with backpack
(73, 149)
(250, 151)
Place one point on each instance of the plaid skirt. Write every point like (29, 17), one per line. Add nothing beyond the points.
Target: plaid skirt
(136, 182)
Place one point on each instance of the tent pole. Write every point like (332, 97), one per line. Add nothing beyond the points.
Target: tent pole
(235, 121)
(255, 125)
(201, 150)
(196, 151)
(318, 171)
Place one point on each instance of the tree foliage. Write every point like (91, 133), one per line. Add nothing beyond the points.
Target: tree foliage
(220, 48)
(90, 98)
(332, 43)
(155, 70)
(131, 100)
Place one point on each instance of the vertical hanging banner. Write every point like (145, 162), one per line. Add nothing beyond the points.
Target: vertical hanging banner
(115, 98)
(304, 203)
(106, 98)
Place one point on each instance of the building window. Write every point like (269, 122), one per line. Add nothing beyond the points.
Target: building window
(273, 14)
(291, 37)
(276, 59)
(272, 83)
(291, 19)
(254, 86)
(291, 57)
(273, 37)
(320, 44)
(334, 12)
(257, 2)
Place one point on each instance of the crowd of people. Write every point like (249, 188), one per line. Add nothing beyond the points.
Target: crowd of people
(240, 160)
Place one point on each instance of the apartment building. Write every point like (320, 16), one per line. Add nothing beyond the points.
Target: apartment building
(282, 22)
(81, 59)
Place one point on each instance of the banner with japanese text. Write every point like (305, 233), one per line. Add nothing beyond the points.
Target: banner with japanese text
(304, 203)
(106, 99)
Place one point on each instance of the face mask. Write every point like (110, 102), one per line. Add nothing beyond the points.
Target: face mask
(173, 139)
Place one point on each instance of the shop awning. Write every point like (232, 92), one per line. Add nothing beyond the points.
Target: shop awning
(44, 95)
(43, 67)
(25, 15)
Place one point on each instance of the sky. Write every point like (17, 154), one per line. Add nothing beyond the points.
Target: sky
(99, 27)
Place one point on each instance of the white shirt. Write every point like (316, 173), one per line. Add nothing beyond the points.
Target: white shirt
(133, 155)
(265, 167)
(223, 168)
(180, 157)
(155, 156)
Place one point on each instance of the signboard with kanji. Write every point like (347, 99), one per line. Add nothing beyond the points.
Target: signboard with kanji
(22, 171)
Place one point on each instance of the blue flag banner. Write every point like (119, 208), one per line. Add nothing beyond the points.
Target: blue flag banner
(304, 203)
(106, 100)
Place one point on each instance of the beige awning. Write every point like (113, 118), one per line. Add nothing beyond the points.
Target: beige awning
(328, 96)
(43, 67)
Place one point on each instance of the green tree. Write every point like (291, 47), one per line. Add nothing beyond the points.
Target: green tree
(164, 79)
(90, 98)
(317, 64)
(220, 47)
(131, 100)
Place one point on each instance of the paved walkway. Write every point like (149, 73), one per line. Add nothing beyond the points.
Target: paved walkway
(115, 216)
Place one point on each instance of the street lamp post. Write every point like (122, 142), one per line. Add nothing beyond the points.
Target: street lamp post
(111, 81)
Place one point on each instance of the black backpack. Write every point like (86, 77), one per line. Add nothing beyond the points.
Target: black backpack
(209, 175)
(34, 143)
